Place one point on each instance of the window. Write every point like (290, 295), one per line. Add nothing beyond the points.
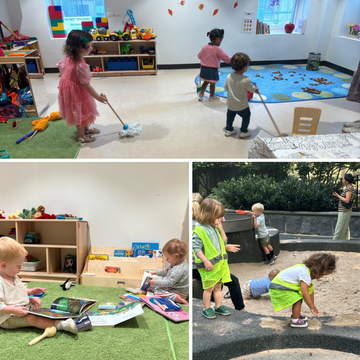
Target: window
(277, 13)
(76, 11)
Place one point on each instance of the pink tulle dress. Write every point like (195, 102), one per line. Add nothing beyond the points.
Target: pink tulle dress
(76, 105)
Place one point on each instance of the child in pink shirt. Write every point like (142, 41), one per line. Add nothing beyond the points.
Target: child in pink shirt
(210, 57)
(76, 95)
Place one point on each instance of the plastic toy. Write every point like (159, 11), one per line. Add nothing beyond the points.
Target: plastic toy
(99, 34)
(97, 69)
(67, 285)
(1, 214)
(125, 48)
(117, 35)
(50, 331)
(4, 155)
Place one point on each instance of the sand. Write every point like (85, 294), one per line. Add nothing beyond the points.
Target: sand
(337, 294)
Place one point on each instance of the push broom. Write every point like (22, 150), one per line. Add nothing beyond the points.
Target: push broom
(128, 130)
(277, 129)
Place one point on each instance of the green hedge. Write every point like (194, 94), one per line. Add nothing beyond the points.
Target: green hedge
(292, 194)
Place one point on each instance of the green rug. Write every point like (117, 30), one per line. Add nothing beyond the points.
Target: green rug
(147, 336)
(57, 141)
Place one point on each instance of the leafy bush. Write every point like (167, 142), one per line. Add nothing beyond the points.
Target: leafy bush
(291, 194)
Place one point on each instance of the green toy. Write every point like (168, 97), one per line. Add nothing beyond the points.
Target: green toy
(28, 214)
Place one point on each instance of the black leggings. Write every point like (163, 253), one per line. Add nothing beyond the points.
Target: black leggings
(234, 288)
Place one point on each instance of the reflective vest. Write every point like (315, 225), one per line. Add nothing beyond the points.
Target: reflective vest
(276, 283)
(221, 270)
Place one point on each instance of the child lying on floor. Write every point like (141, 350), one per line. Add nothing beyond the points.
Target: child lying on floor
(175, 284)
(14, 296)
(256, 288)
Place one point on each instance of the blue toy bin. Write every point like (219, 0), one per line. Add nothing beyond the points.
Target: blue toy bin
(31, 66)
(124, 63)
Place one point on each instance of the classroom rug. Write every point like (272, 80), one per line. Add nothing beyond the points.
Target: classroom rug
(57, 141)
(147, 336)
(292, 79)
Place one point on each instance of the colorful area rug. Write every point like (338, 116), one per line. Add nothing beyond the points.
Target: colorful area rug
(290, 82)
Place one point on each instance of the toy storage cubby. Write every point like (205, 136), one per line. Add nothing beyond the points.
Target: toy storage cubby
(58, 238)
(121, 61)
(130, 269)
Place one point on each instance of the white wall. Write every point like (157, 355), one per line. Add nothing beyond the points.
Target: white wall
(181, 36)
(123, 202)
(4, 17)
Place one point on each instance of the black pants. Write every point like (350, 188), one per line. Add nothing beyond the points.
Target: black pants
(234, 288)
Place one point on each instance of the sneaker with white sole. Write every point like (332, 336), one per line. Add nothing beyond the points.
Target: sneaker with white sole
(302, 317)
(274, 257)
(229, 133)
(214, 97)
(201, 97)
(269, 262)
(355, 123)
(298, 323)
(352, 129)
(243, 135)
(227, 295)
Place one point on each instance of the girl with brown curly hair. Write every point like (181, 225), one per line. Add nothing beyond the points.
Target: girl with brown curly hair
(294, 284)
(76, 95)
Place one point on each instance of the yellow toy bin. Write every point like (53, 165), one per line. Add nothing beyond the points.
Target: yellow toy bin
(148, 63)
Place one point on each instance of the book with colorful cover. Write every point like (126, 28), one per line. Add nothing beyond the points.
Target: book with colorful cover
(144, 249)
(64, 308)
(154, 304)
(107, 306)
(105, 318)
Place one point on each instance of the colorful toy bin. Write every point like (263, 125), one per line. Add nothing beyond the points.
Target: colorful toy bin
(125, 63)
(147, 63)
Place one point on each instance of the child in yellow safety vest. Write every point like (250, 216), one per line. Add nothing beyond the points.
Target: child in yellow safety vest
(293, 285)
(210, 255)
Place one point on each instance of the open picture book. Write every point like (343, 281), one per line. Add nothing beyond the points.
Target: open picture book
(64, 308)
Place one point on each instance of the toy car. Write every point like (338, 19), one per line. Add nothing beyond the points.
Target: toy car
(117, 35)
(145, 34)
(99, 34)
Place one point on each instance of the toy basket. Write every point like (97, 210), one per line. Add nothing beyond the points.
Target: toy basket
(147, 63)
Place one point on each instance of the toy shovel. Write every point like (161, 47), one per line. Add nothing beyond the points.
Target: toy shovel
(49, 332)
(240, 211)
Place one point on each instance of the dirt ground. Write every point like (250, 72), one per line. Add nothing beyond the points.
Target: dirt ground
(337, 294)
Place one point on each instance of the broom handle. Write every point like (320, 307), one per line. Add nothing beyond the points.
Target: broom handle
(113, 110)
(1, 23)
(277, 129)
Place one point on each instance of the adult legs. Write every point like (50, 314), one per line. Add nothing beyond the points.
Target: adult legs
(235, 293)
(342, 229)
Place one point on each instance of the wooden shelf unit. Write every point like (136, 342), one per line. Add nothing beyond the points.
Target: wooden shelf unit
(130, 269)
(113, 50)
(58, 238)
(33, 54)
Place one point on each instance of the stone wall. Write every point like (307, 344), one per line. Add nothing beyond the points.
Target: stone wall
(303, 222)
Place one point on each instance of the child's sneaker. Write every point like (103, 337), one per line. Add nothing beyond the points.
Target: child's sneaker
(243, 135)
(209, 313)
(269, 262)
(201, 97)
(302, 317)
(298, 323)
(227, 295)
(214, 97)
(274, 257)
(229, 133)
(221, 310)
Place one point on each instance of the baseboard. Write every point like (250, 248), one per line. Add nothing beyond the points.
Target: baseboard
(197, 65)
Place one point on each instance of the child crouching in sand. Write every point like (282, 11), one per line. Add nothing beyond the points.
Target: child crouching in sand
(175, 284)
(293, 285)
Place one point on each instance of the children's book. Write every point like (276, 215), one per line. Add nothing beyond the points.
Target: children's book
(145, 282)
(64, 308)
(128, 298)
(144, 249)
(106, 318)
(107, 306)
(154, 304)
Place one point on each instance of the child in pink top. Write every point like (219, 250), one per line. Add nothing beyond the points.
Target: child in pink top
(76, 95)
(210, 57)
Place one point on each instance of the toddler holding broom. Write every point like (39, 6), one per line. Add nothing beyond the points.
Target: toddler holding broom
(14, 296)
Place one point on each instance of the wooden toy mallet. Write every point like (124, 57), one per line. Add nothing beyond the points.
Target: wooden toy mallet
(49, 332)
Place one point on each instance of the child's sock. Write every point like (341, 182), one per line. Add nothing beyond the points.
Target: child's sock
(272, 253)
(66, 325)
(269, 257)
(294, 320)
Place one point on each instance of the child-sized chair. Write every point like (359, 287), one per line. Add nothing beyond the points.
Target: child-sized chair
(306, 121)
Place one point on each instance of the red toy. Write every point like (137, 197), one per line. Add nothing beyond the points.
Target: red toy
(1, 214)
(289, 28)
(46, 216)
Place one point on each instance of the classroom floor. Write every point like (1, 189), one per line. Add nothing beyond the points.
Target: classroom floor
(177, 126)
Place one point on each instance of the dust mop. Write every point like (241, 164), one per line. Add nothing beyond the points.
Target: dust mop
(128, 130)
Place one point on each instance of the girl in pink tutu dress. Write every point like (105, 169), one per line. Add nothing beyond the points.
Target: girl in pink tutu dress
(76, 95)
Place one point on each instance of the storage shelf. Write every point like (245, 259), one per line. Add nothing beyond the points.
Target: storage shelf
(44, 246)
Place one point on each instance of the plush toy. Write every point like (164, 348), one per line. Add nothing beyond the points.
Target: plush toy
(28, 214)
(15, 215)
(46, 216)
(67, 284)
(1, 214)
(39, 211)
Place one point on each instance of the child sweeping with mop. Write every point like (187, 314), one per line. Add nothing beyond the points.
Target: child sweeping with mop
(76, 95)
(293, 285)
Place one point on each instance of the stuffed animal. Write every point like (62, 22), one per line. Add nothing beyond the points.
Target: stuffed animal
(28, 214)
(1, 214)
(46, 216)
(39, 211)
(15, 215)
